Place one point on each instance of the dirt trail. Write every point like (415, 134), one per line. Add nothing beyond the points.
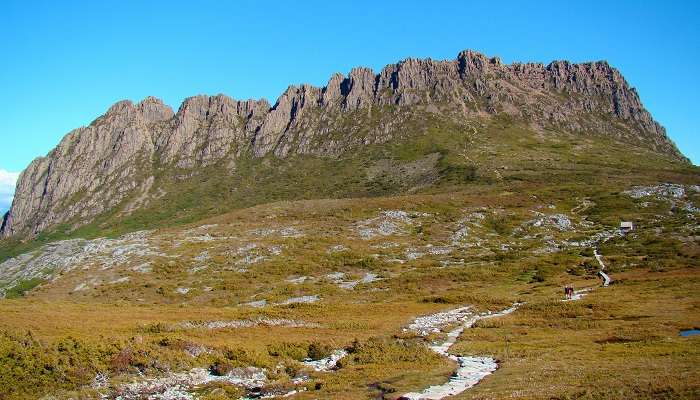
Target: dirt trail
(470, 370)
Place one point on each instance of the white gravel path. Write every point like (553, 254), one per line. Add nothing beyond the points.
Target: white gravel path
(606, 278)
(471, 369)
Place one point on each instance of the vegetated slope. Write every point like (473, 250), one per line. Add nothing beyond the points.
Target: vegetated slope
(269, 286)
(214, 150)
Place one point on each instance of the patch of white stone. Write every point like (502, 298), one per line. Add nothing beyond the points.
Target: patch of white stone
(327, 363)
(203, 256)
(671, 192)
(664, 190)
(255, 304)
(413, 254)
(87, 284)
(123, 279)
(438, 250)
(336, 248)
(298, 280)
(300, 299)
(143, 268)
(177, 386)
(285, 232)
(275, 250)
(245, 323)
(387, 223)
(369, 277)
(560, 222)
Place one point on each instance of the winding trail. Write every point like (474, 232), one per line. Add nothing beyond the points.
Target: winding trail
(606, 278)
(470, 370)
(578, 294)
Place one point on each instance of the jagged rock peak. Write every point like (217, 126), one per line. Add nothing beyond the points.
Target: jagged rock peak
(202, 106)
(150, 110)
(154, 110)
(332, 92)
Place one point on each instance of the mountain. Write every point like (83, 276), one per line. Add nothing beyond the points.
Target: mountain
(400, 235)
(142, 164)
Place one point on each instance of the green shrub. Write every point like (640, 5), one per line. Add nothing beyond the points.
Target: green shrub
(295, 351)
(22, 287)
(319, 350)
(538, 276)
(384, 350)
(29, 367)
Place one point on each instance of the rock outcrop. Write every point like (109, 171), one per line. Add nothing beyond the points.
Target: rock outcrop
(95, 168)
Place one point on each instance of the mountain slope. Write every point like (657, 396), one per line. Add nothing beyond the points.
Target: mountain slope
(140, 154)
(270, 286)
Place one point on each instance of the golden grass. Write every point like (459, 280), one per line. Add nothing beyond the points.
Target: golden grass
(618, 342)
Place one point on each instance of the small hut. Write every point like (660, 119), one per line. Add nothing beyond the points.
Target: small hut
(626, 226)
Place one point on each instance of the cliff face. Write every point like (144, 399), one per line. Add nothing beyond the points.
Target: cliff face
(95, 168)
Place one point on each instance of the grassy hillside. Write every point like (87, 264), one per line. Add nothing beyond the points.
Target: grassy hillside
(431, 155)
(618, 342)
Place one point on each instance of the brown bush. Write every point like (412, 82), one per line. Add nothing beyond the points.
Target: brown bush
(122, 360)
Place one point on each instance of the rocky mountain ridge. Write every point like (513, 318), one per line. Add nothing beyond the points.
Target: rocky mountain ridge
(100, 167)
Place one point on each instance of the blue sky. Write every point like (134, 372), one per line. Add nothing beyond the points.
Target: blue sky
(64, 63)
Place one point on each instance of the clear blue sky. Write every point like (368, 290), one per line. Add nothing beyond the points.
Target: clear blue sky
(64, 63)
